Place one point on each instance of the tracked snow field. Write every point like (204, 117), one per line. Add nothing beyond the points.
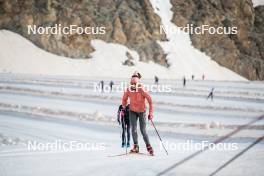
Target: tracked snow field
(47, 109)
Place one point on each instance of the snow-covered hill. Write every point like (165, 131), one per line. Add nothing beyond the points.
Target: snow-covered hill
(18, 55)
(129, 26)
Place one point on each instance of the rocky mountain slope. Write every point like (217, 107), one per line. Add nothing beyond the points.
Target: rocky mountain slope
(134, 24)
(244, 52)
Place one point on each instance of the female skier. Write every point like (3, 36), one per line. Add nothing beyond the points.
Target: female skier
(137, 96)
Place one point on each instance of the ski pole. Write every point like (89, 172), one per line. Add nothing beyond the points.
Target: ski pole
(123, 121)
(120, 127)
(159, 137)
(126, 138)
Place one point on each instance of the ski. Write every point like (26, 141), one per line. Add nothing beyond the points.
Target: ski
(118, 155)
(130, 153)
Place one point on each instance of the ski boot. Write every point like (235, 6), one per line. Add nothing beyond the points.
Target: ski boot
(123, 145)
(150, 150)
(135, 149)
(128, 145)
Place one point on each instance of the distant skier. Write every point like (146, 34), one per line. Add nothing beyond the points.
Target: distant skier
(137, 96)
(184, 81)
(203, 76)
(156, 80)
(111, 84)
(102, 85)
(211, 95)
(123, 119)
(192, 77)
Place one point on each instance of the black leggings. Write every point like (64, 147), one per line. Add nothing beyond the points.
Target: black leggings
(125, 128)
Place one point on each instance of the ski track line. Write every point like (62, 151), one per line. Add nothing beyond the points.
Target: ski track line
(199, 83)
(112, 99)
(30, 110)
(164, 130)
(193, 92)
(29, 132)
(32, 153)
(56, 120)
(237, 155)
(182, 89)
(42, 112)
(45, 134)
(87, 83)
(216, 141)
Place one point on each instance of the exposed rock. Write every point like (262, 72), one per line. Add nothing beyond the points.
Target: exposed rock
(130, 60)
(242, 52)
(118, 34)
(132, 23)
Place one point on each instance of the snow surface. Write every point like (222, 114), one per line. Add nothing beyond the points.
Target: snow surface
(82, 163)
(74, 112)
(257, 2)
